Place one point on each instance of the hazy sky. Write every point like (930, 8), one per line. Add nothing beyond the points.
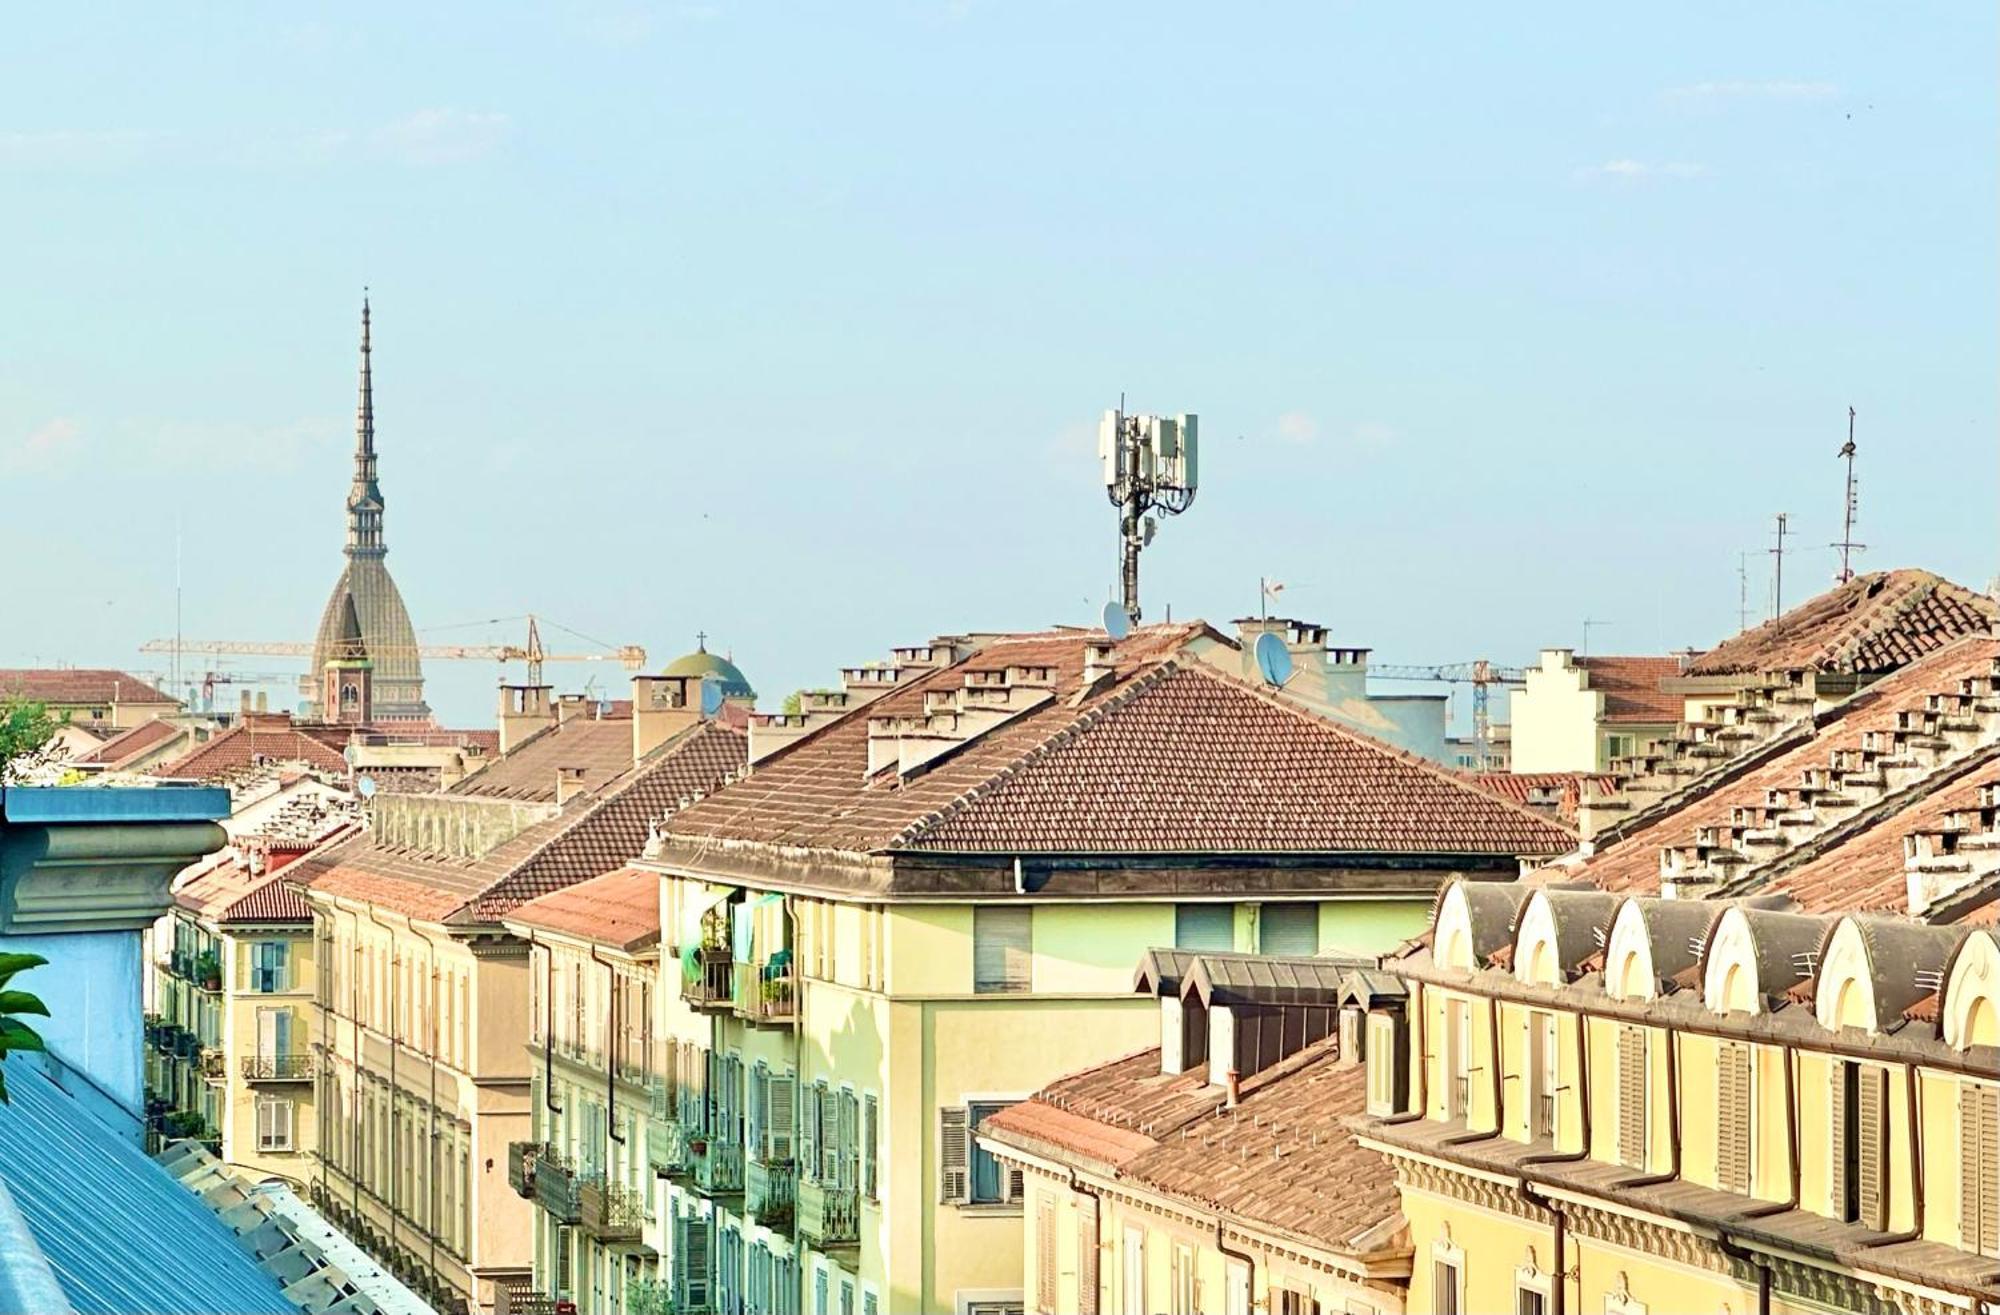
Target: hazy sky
(791, 322)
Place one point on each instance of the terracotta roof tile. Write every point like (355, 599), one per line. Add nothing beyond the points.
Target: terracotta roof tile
(619, 909)
(1874, 623)
(599, 748)
(72, 685)
(1567, 787)
(1631, 688)
(259, 742)
(1167, 755)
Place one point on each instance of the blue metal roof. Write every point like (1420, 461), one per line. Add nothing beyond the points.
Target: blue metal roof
(123, 1237)
(100, 803)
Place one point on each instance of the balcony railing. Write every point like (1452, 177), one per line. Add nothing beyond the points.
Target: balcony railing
(556, 1188)
(829, 1216)
(768, 1193)
(278, 1068)
(214, 1063)
(711, 985)
(666, 1147)
(610, 1212)
(717, 1165)
(766, 993)
(522, 1157)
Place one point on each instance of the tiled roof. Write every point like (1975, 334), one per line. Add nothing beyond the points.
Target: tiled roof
(600, 748)
(619, 909)
(73, 685)
(593, 834)
(132, 742)
(255, 743)
(1864, 869)
(1283, 1159)
(1631, 688)
(1167, 755)
(1872, 624)
(1567, 787)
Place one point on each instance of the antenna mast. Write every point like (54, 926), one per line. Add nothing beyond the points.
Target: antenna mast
(1847, 545)
(1149, 466)
(1742, 592)
(1778, 579)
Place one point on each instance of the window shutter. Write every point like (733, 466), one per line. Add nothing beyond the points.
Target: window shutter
(1291, 929)
(1086, 1256)
(871, 1138)
(829, 1135)
(695, 1267)
(1013, 1186)
(954, 1155)
(1002, 940)
(1836, 1122)
(1632, 1096)
(1979, 1167)
(809, 1132)
(778, 1119)
(1872, 1192)
(1733, 1116)
(1045, 1256)
(759, 1118)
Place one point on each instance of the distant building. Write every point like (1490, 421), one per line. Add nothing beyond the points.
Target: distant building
(93, 696)
(1583, 714)
(366, 588)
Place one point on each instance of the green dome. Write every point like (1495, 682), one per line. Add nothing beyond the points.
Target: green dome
(703, 663)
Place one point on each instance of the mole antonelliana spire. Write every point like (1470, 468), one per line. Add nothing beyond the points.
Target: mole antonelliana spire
(365, 583)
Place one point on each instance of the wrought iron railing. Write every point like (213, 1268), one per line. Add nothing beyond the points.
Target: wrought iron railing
(711, 984)
(768, 1193)
(716, 1164)
(279, 1068)
(828, 1216)
(610, 1212)
(556, 1188)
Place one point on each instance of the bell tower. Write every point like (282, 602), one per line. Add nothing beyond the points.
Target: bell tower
(347, 692)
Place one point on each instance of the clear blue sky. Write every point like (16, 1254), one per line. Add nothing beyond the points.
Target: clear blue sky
(791, 322)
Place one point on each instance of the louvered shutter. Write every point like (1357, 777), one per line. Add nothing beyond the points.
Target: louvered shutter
(1045, 1256)
(808, 1132)
(829, 1135)
(1733, 1115)
(1872, 1192)
(1013, 1186)
(1836, 1122)
(1632, 1096)
(695, 1267)
(1979, 1167)
(954, 1155)
(1086, 1256)
(850, 1141)
(779, 1102)
(1002, 941)
(871, 1140)
(759, 1101)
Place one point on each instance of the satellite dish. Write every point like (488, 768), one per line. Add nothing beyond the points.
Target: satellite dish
(1274, 660)
(711, 696)
(365, 786)
(1117, 621)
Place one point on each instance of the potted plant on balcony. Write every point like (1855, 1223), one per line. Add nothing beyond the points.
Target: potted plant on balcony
(208, 970)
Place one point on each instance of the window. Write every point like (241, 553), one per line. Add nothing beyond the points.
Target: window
(1388, 1064)
(1289, 929)
(274, 1124)
(1618, 746)
(1086, 1256)
(1979, 1167)
(1046, 1294)
(1236, 1289)
(1181, 1297)
(1134, 1286)
(1002, 945)
(274, 1036)
(268, 966)
(1458, 1059)
(1734, 1116)
(1294, 1303)
(1532, 1291)
(968, 1174)
(1857, 1117)
(1632, 1104)
(1544, 1071)
(1204, 926)
(871, 1139)
(1446, 1286)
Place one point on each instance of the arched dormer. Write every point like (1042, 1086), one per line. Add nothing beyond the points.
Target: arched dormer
(1872, 969)
(1474, 918)
(1753, 955)
(1845, 995)
(1558, 931)
(1652, 941)
(1971, 1001)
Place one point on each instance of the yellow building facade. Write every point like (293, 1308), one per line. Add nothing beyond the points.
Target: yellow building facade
(1631, 1105)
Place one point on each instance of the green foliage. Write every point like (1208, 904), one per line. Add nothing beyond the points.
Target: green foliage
(648, 1297)
(15, 1034)
(791, 708)
(25, 731)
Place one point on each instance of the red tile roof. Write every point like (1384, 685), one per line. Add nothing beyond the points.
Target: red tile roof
(599, 748)
(1631, 688)
(1168, 755)
(619, 909)
(1873, 624)
(132, 743)
(594, 833)
(1284, 1159)
(67, 686)
(1520, 787)
(257, 742)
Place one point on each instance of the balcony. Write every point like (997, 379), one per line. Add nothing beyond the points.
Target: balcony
(768, 1191)
(521, 1159)
(666, 1146)
(829, 1216)
(214, 1064)
(610, 1212)
(556, 1188)
(716, 1166)
(278, 1068)
(709, 983)
(767, 993)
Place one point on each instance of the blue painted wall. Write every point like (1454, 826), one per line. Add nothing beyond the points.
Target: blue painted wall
(95, 1025)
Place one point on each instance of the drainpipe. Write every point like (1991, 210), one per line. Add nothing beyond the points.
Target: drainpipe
(1582, 1152)
(1249, 1261)
(354, 1031)
(610, 1050)
(1792, 1146)
(1912, 1122)
(548, 1027)
(1673, 1122)
(1492, 1067)
(395, 1045)
(1097, 1236)
(1419, 1107)
(431, 1220)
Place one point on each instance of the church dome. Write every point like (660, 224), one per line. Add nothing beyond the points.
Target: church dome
(385, 630)
(705, 664)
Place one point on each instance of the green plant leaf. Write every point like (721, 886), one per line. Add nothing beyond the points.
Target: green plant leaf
(20, 1002)
(11, 962)
(18, 1036)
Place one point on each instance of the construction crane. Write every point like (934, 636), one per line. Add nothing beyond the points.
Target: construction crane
(1480, 674)
(631, 655)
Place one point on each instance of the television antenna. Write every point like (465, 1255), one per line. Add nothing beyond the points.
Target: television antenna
(1847, 545)
(1778, 577)
(1150, 470)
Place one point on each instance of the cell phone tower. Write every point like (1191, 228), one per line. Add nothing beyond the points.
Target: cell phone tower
(1150, 470)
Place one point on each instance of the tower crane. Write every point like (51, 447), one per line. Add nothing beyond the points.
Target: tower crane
(1481, 674)
(632, 656)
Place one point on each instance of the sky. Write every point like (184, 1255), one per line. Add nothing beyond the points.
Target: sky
(790, 324)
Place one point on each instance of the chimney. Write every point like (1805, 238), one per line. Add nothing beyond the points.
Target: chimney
(244, 705)
(525, 710)
(956, 715)
(662, 707)
(1097, 662)
(571, 706)
(569, 784)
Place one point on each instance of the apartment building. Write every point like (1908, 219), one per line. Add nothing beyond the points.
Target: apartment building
(424, 1005)
(1627, 1104)
(922, 904)
(1582, 714)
